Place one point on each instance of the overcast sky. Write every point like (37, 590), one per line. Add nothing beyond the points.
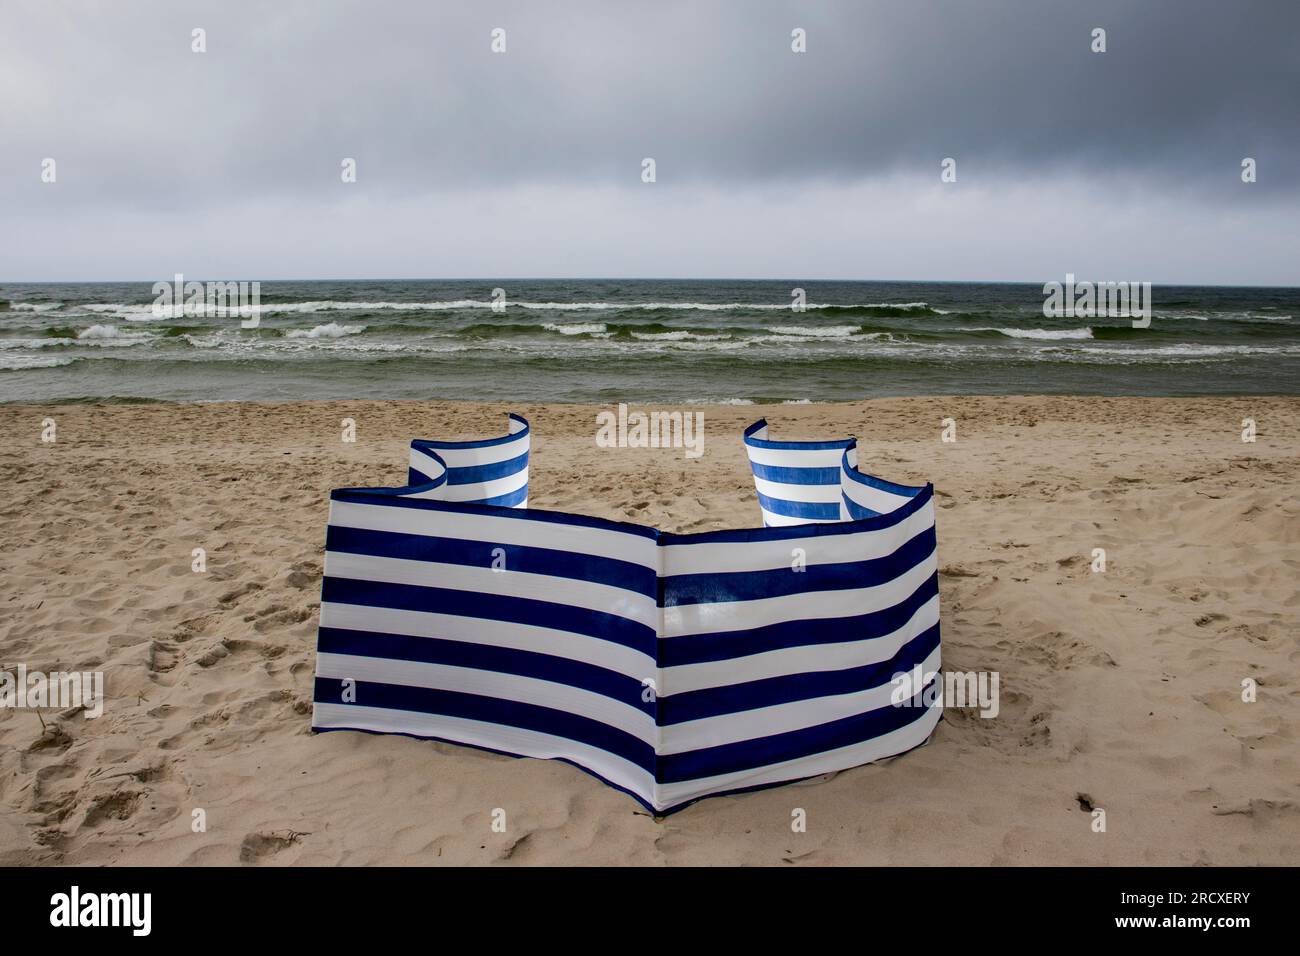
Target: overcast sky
(770, 163)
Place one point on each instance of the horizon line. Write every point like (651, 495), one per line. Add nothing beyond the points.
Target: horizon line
(785, 279)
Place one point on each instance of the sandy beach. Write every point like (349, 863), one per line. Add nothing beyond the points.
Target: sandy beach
(1120, 690)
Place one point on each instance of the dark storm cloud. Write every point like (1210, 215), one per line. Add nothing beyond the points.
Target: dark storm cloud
(770, 163)
(712, 91)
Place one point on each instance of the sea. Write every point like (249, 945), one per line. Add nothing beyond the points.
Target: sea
(636, 341)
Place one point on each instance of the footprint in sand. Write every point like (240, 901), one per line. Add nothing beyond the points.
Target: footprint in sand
(258, 847)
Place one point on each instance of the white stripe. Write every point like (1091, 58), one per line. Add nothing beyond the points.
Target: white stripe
(641, 608)
(495, 529)
(481, 490)
(521, 637)
(488, 455)
(685, 678)
(470, 680)
(422, 463)
(779, 718)
(527, 743)
(773, 520)
(796, 457)
(878, 500)
(800, 493)
(877, 748)
(686, 619)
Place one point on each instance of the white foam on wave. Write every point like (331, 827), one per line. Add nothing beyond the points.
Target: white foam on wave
(331, 305)
(6, 344)
(341, 343)
(818, 332)
(106, 336)
(133, 313)
(19, 363)
(34, 306)
(576, 328)
(98, 335)
(679, 335)
(1043, 334)
(331, 330)
(1198, 351)
(99, 332)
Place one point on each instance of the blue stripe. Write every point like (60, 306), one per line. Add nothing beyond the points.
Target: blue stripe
(486, 657)
(492, 710)
(764, 751)
(857, 512)
(796, 476)
(862, 478)
(815, 510)
(725, 586)
(726, 645)
(481, 554)
(508, 500)
(771, 691)
(470, 474)
(491, 607)
(414, 477)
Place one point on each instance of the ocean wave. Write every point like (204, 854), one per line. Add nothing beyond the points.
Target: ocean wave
(111, 335)
(34, 306)
(1188, 349)
(679, 335)
(6, 344)
(97, 335)
(340, 344)
(1045, 334)
(1172, 355)
(99, 332)
(330, 331)
(819, 332)
(715, 306)
(576, 328)
(20, 363)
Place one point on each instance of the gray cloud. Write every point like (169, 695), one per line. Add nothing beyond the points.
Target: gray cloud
(712, 91)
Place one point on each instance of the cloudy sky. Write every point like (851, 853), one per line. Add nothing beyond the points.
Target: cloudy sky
(769, 163)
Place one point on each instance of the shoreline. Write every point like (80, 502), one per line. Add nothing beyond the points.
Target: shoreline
(1119, 690)
(131, 400)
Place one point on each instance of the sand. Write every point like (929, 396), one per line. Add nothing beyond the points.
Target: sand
(1120, 690)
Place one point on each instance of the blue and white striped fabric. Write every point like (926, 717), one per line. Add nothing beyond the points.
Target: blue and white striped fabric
(865, 496)
(489, 472)
(798, 482)
(671, 666)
